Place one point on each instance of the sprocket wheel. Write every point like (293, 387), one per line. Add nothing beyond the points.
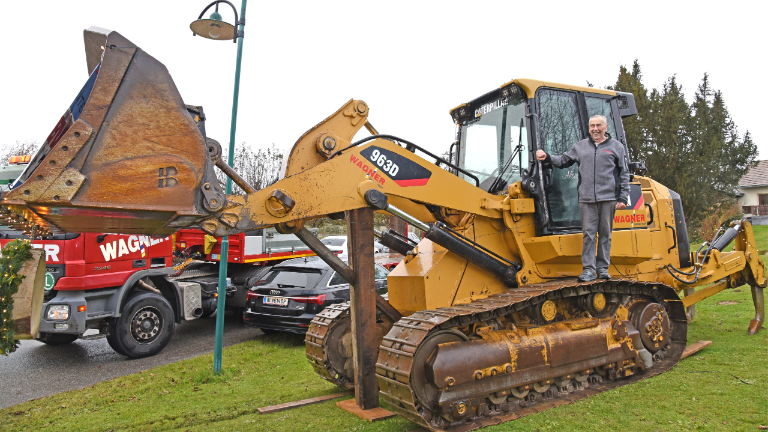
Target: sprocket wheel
(652, 321)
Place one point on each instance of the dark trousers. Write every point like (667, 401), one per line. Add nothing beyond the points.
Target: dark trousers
(597, 218)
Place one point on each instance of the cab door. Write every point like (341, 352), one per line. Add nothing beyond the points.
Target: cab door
(560, 127)
(563, 120)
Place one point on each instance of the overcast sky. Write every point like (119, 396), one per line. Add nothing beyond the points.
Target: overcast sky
(411, 61)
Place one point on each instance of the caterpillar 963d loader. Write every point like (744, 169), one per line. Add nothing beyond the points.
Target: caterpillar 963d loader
(494, 323)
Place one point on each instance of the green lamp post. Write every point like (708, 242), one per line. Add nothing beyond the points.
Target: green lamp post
(216, 29)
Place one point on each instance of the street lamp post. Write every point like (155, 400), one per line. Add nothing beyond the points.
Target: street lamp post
(216, 29)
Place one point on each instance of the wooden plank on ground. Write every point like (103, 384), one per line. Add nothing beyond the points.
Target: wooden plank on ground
(694, 348)
(371, 415)
(296, 404)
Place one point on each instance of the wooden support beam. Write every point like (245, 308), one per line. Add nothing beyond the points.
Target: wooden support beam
(363, 307)
(326, 255)
(28, 300)
(338, 265)
(387, 309)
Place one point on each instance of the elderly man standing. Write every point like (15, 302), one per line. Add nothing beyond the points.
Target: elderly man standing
(603, 188)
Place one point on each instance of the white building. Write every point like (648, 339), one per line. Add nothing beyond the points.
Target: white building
(754, 193)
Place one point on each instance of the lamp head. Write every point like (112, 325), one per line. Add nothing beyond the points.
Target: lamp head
(213, 28)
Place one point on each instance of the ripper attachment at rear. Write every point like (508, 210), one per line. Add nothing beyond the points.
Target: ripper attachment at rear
(127, 156)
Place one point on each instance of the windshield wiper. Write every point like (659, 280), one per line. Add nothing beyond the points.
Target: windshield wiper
(516, 152)
(288, 286)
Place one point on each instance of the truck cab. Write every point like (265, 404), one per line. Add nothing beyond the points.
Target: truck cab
(86, 276)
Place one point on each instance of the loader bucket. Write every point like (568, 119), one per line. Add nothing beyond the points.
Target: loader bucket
(126, 157)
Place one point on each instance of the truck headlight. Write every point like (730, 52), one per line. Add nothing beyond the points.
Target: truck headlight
(58, 312)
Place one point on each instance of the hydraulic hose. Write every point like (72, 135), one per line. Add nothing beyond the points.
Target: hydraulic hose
(719, 243)
(697, 261)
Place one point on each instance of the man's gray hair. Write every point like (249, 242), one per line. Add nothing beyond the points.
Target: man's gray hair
(598, 116)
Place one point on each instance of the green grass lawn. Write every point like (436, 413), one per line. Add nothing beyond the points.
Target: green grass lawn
(722, 388)
(761, 236)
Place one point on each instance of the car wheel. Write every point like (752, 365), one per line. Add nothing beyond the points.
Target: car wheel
(57, 338)
(144, 328)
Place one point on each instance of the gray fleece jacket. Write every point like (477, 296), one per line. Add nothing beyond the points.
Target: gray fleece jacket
(603, 172)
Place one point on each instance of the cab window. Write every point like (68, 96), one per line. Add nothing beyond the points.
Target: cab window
(559, 130)
(489, 143)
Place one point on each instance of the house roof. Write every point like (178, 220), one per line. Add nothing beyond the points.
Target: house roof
(756, 176)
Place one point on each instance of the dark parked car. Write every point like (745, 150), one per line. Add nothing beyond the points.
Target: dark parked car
(289, 295)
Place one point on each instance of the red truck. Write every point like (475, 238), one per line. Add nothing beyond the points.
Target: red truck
(119, 285)
(126, 288)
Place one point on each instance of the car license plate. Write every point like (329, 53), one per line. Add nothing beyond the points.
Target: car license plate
(276, 301)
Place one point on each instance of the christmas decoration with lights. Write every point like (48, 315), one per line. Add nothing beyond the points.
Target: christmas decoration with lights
(13, 257)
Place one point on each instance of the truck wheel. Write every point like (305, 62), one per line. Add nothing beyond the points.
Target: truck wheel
(57, 338)
(144, 328)
(112, 341)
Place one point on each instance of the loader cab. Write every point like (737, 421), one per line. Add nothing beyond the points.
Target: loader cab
(499, 134)
(493, 138)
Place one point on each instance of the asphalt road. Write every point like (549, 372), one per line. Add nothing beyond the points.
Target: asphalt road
(36, 369)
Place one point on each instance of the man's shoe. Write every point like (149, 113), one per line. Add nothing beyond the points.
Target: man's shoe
(587, 276)
(603, 274)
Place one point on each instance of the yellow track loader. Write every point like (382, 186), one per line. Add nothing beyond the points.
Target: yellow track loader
(494, 323)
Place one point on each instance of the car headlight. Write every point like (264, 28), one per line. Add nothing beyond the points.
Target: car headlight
(58, 312)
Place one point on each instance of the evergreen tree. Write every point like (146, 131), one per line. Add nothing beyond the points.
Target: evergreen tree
(669, 144)
(736, 154)
(634, 127)
(694, 149)
(719, 156)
